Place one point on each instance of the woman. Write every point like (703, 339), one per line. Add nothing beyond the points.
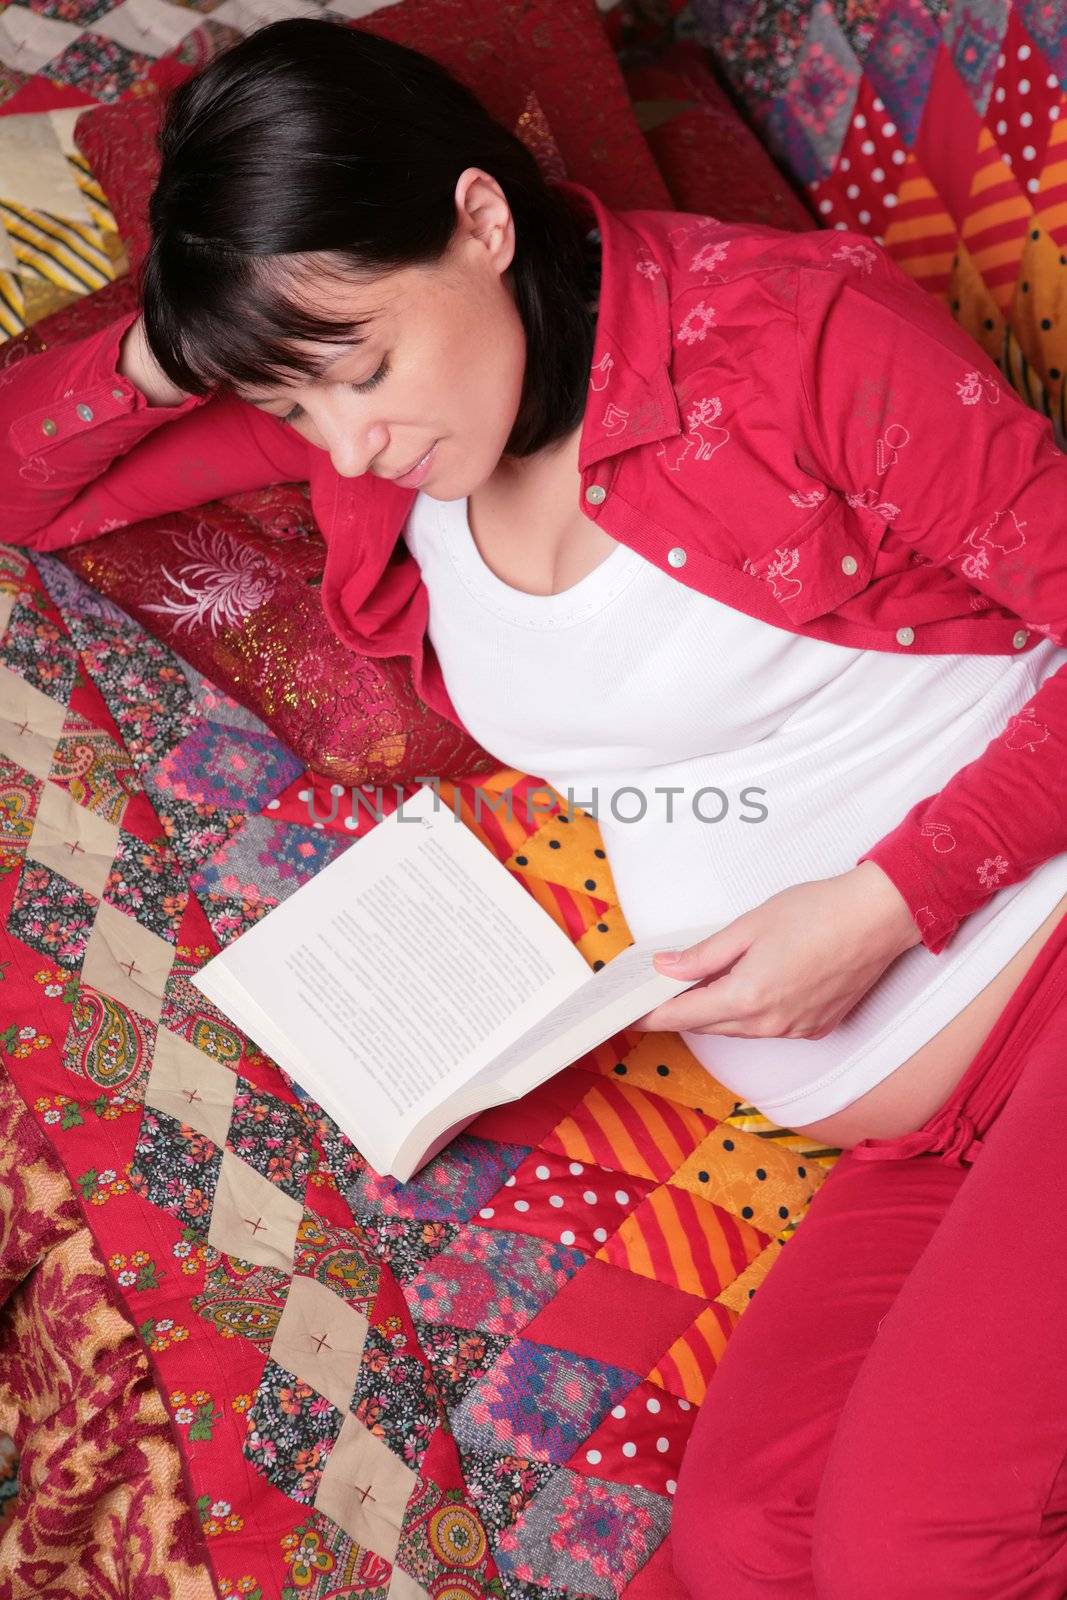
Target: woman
(667, 507)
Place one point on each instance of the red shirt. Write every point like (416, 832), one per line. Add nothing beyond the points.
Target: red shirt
(784, 421)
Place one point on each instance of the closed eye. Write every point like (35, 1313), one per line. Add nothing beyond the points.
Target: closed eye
(360, 388)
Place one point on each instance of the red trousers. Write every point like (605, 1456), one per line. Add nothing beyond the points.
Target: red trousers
(889, 1418)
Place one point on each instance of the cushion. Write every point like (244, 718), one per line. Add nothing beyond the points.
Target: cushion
(58, 238)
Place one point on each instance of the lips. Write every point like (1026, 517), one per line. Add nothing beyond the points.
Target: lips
(409, 470)
(416, 476)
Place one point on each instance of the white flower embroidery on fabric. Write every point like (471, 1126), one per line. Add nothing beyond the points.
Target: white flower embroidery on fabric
(695, 324)
(779, 573)
(941, 834)
(991, 871)
(709, 256)
(974, 385)
(614, 419)
(1024, 732)
(648, 268)
(974, 553)
(598, 377)
(702, 440)
(868, 498)
(856, 255)
(805, 499)
(225, 583)
(886, 448)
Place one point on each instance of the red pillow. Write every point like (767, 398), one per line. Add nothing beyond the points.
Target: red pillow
(551, 55)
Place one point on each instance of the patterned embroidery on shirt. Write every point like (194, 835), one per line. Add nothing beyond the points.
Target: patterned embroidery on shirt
(614, 419)
(941, 834)
(991, 870)
(888, 447)
(678, 236)
(1043, 627)
(807, 499)
(36, 470)
(695, 324)
(710, 256)
(974, 553)
(1024, 732)
(648, 268)
(973, 386)
(601, 372)
(868, 498)
(778, 570)
(703, 438)
(856, 255)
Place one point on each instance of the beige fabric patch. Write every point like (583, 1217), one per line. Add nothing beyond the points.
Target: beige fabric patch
(29, 42)
(30, 724)
(190, 1086)
(73, 841)
(7, 606)
(34, 171)
(127, 961)
(252, 1218)
(320, 1338)
(365, 1488)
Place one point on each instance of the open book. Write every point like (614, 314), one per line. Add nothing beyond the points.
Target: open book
(414, 982)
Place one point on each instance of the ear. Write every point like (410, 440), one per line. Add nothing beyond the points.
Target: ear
(483, 217)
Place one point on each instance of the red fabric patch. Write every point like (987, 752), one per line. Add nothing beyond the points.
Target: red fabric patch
(615, 1316)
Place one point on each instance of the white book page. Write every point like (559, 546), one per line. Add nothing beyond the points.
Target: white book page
(401, 968)
(624, 989)
(372, 1141)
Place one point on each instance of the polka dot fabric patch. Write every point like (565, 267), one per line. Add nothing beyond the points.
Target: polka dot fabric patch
(641, 1441)
(573, 1203)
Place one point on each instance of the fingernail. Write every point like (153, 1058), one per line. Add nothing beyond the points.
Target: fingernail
(668, 955)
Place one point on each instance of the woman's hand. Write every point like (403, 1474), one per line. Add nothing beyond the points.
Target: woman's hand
(792, 967)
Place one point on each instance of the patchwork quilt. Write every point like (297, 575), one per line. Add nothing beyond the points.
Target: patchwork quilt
(234, 1359)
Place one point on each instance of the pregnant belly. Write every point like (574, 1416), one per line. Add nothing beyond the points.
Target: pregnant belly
(919, 1087)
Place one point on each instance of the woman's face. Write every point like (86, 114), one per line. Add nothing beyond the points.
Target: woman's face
(444, 350)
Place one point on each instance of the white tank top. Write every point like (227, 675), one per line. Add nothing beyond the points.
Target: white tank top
(807, 752)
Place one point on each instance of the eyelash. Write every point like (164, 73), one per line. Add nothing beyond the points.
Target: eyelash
(360, 388)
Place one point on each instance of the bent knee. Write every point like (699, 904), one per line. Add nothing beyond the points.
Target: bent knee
(725, 1546)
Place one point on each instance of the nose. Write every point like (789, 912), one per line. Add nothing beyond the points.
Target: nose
(354, 441)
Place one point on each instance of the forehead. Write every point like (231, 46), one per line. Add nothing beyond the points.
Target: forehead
(373, 304)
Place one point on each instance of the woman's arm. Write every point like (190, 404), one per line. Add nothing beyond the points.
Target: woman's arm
(906, 410)
(84, 448)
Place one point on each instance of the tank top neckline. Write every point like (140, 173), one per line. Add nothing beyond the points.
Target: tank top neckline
(583, 599)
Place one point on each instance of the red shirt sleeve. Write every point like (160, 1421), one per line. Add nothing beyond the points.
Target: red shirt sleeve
(905, 409)
(82, 451)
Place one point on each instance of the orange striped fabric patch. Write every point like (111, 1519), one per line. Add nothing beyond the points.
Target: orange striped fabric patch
(688, 1365)
(675, 1237)
(625, 1128)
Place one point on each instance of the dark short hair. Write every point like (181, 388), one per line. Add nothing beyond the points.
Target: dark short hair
(310, 138)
